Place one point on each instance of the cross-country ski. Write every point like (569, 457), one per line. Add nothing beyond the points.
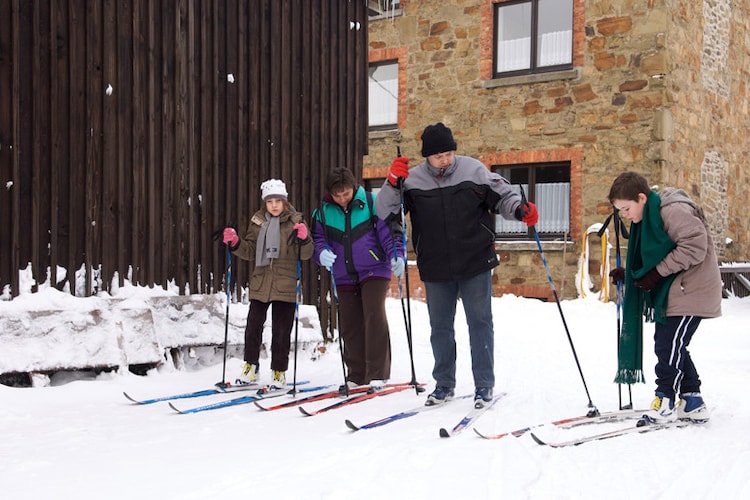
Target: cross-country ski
(357, 398)
(266, 394)
(320, 397)
(399, 416)
(470, 418)
(631, 429)
(613, 416)
(194, 394)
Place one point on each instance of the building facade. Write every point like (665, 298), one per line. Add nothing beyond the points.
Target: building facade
(561, 96)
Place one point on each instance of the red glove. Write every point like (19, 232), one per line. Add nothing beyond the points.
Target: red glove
(649, 280)
(399, 170)
(230, 237)
(301, 230)
(527, 214)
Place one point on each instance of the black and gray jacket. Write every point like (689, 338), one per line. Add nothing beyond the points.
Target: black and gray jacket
(451, 216)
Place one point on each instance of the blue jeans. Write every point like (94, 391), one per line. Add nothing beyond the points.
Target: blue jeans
(476, 295)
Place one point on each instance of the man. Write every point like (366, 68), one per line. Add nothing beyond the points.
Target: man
(451, 200)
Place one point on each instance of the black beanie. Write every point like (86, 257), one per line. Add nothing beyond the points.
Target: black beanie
(437, 139)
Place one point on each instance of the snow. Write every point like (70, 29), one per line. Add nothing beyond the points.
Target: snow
(80, 438)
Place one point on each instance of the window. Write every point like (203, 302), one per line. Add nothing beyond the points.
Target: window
(378, 9)
(533, 36)
(383, 95)
(548, 186)
(374, 185)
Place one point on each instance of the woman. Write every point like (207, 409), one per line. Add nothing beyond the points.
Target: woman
(275, 240)
(358, 249)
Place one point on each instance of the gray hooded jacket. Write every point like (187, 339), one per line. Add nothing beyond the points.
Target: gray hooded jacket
(451, 211)
(696, 291)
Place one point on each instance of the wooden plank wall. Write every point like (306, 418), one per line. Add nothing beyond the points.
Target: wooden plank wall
(207, 100)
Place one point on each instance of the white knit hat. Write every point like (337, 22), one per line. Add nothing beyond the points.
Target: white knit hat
(273, 188)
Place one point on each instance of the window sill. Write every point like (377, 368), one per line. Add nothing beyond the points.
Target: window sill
(384, 134)
(525, 246)
(568, 74)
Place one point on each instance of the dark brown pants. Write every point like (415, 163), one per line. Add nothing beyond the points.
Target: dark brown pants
(364, 329)
(282, 318)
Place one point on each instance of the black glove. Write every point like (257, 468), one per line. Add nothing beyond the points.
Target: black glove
(649, 280)
(618, 275)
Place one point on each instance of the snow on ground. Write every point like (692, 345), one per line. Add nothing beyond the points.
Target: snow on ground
(80, 438)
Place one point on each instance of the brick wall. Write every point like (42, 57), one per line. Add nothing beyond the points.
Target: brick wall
(416, 287)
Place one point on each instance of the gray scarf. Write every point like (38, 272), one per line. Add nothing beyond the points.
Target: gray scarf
(269, 241)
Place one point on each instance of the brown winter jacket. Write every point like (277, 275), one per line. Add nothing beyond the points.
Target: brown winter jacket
(696, 291)
(277, 281)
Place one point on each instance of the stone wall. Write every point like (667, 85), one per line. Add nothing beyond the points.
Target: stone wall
(650, 92)
(708, 100)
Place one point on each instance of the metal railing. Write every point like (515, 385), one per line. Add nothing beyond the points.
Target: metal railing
(736, 279)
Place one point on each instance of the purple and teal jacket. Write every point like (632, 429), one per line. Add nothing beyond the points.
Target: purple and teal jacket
(363, 243)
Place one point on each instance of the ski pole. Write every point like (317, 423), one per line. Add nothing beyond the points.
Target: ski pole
(406, 308)
(338, 324)
(619, 227)
(335, 299)
(228, 283)
(296, 314)
(618, 261)
(594, 411)
(624, 233)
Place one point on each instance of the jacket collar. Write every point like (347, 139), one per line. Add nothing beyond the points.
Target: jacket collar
(440, 172)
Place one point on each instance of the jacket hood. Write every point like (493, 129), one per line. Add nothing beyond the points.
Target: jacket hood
(674, 195)
(670, 196)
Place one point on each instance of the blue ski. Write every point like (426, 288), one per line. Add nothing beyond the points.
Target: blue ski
(196, 394)
(470, 418)
(270, 393)
(397, 416)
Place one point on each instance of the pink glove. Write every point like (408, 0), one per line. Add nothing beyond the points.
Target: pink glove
(399, 170)
(301, 230)
(230, 237)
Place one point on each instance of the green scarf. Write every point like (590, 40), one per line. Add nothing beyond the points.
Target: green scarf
(647, 246)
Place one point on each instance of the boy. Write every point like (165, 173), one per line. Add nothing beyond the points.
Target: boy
(672, 276)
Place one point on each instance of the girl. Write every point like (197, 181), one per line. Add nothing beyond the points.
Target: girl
(275, 240)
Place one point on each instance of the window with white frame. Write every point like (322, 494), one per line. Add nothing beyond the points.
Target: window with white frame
(383, 95)
(547, 185)
(533, 36)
